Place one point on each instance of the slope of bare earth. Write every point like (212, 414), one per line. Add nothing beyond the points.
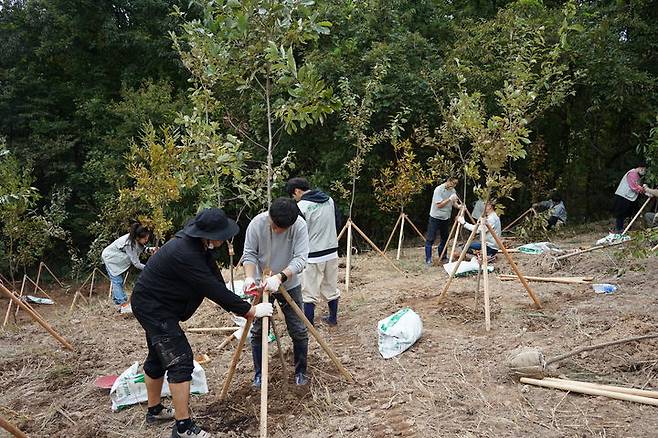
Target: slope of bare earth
(452, 382)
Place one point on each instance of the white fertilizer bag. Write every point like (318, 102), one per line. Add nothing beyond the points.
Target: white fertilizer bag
(130, 389)
(399, 332)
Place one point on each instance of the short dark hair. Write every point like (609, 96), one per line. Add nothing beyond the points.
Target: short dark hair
(555, 197)
(297, 183)
(641, 164)
(284, 212)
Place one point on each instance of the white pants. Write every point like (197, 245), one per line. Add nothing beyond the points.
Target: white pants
(319, 280)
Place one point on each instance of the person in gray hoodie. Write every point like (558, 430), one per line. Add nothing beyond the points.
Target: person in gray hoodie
(277, 242)
(320, 278)
(557, 210)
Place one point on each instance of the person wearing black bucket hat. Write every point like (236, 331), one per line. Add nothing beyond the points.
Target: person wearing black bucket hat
(171, 288)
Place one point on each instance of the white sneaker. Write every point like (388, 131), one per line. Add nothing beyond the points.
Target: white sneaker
(125, 308)
(193, 432)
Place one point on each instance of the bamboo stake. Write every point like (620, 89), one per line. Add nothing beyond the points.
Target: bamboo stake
(20, 295)
(236, 358)
(597, 346)
(621, 389)
(265, 356)
(563, 280)
(53, 275)
(454, 242)
(38, 277)
(212, 329)
(566, 386)
(485, 274)
(77, 293)
(630, 224)
(38, 287)
(397, 257)
(376, 248)
(525, 213)
(10, 303)
(462, 255)
(390, 237)
(316, 335)
(445, 247)
(593, 248)
(655, 248)
(406, 217)
(91, 284)
(342, 231)
(231, 253)
(225, 342)
(35, 316)
(15, 431)
(515, 268)
(348, 259)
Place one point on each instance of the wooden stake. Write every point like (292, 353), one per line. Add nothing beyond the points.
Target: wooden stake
(462, 255)
(593, 248)
(485, 274)
(15, 431)
(567, 386)
(35, 316)
(406, 217)
(598, 346)
(225, 342)
(515, 268)
(630, 224)
(316, 335)
(78, 293)
(265, 356)
(38, 277)
(445, 247)
(91, 284)
(342, 230)
(236, 358)
(284, 369)
(621, 389)
(10, 303)
(397, 257)
(525, 213)
(348, 259)
(390, 237)
(563, 280)
(212, 329)
(454, 242)
(376, 248)
(655, 248)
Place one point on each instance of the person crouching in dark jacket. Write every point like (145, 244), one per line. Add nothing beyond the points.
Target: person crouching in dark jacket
(171, 288)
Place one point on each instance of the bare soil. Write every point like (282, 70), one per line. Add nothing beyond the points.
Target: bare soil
(452, 382)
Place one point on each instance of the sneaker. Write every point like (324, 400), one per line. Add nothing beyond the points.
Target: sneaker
(125, 308)
(193, 431)
(256, 382)
(301, 379)
(164, 414)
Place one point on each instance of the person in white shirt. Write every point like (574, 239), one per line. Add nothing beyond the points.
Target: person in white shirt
(494, 222)
(444, 200)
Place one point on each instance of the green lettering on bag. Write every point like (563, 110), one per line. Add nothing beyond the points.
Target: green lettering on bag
(393, 319)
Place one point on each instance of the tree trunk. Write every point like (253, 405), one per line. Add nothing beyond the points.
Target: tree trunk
(270, 160)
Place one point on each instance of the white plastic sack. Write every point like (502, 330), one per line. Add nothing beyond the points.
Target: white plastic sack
(613, 238)
(399, 332)
(538, 248)
(130, 389)
(466, 267)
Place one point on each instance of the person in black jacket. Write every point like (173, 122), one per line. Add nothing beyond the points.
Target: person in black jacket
(171, 288)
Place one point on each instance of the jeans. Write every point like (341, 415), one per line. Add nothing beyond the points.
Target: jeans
(442, 226)
(477, 246)
(296, 329)
(118, 294)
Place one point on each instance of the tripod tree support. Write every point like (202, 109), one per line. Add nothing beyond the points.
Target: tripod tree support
(445, 247)
(36, 317)
(316, 335)
(525, 213)
(462, 255)
(630, 224)
(485, 273)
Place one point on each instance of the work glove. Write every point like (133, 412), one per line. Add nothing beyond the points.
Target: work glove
(454, 197)
(249, 287)
(272, 283)
(461, 219)
(263, 309)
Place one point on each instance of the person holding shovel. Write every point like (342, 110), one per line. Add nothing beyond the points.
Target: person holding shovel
(494, 221)
(626, 194)
(444, 199)
(172, 287)
(119, 255)
(320, 278)
(275, 254)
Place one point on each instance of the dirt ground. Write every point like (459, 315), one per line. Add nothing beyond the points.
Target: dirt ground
(452, 382)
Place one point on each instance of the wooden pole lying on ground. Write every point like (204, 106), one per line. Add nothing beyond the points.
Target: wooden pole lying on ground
(621, 389)
(582, 389)
(212, 329)
(630, 224)
(35, 316)
(15, 431)
(564, 280)
(316, 335)
(390, 237)
(485, 273)
(525, 213)
(265, 356)
(462, 255)
(593, 248)
(515, 268)
(225, 342)
(598, 346)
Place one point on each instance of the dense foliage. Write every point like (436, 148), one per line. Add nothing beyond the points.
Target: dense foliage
(152, 109)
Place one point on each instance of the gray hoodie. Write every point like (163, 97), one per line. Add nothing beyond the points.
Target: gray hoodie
(265, 248)
(119, 254)
(320, 215)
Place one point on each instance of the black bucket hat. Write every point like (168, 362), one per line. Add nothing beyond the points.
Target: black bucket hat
(212, 224)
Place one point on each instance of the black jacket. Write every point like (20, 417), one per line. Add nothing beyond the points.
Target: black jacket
(176, 280)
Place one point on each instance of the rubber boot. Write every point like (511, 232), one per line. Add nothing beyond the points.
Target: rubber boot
(309, 311)
(428, 254)
(257, 354)
(332, 319)
(300, 353)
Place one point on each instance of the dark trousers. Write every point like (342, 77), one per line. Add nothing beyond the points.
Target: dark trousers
(552, 221)
(296, 329)
(623, 208)
(441, 226)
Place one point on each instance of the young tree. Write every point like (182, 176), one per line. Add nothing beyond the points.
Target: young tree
(246, 51)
